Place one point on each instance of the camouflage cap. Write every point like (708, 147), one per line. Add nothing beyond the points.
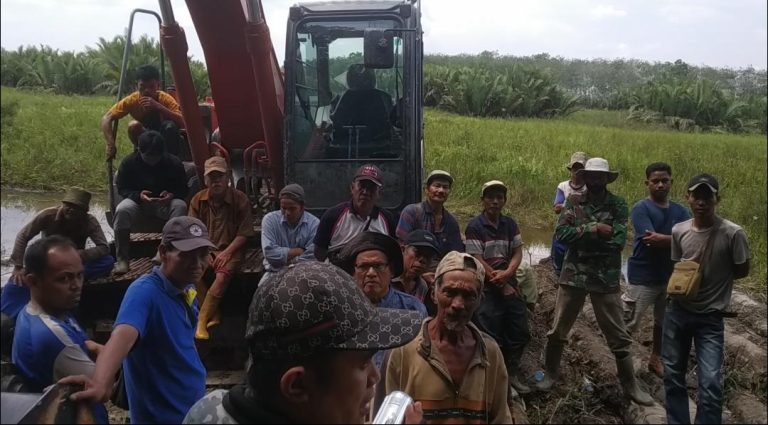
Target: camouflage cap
(456, 260)
(313, 307)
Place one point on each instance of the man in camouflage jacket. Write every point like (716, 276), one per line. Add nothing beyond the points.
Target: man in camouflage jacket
(594, 227)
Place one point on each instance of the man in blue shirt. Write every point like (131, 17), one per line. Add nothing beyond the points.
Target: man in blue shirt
(287, 236)
(649, 267)
(154, 333)
(49, 343)
(373, 259)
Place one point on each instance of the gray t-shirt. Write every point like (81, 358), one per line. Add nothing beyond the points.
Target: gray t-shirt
(730, 247)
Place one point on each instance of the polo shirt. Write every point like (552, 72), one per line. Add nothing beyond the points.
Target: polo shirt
(494, 243)
(13, 297)
(47, 348)
(130, 105)
(278, 237)
(422, 216)
(164, 375)
(342, 223)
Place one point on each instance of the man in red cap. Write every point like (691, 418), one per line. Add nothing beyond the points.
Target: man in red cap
(345, 221)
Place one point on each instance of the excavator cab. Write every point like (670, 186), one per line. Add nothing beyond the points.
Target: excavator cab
(353, 96)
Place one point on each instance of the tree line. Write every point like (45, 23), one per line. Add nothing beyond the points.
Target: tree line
(674, 94)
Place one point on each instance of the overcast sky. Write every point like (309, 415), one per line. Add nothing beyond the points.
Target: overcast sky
(722, 33)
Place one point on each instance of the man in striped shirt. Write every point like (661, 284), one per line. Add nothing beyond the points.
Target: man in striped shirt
(494, 239)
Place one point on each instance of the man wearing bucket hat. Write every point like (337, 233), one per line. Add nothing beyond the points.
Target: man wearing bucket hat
(311, 334)
(153, 336)
(71, 220)
(573, 186)
(699, 318)
(473, 389)
(373, 260)
(595, 229)
(226, 212)
(431, 215)
(342, 223)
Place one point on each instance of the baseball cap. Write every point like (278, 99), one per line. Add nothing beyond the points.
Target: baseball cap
(186, 234)
(422, 238)
(439, 173)
(494, 183)
(701, 179)
(369, 172)
(215, 163)
(292, 191)
(577, 157)
(456, 260)
(372, 241)
(313, 307)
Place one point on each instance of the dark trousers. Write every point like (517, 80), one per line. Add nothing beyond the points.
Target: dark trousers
(506, 320)
(682, 327)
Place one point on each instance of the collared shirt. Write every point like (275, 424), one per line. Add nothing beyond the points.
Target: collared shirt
(422, 216)
(494, 242)
(420, 288)
(592, 263)
(47, 348)
(227, 221)
(48, 223)
(418, 369)
(342, 223)
(164, 375)
(135, 175)
(278, 237)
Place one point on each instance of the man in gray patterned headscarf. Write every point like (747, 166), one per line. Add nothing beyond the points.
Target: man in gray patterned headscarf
(311, 335)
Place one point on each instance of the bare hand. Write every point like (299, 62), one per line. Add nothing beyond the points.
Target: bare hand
(17, 275)
(414, 414)
(94, 348)
(92, 393)
(499, 277)
(165, 197)
(221, 260)
(558, 208)
(148, 103)
(429, 277)
(146, 196)
(111, 151)
(604, 231)
(653, 239)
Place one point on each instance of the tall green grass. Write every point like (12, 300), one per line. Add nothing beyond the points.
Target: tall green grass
(51, 142)
(530, 155)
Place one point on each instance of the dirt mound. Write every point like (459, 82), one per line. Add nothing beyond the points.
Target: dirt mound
(589, 391)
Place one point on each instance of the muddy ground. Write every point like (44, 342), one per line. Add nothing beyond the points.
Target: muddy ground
(590, 391)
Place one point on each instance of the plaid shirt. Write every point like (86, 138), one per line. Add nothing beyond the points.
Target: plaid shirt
(422, 216)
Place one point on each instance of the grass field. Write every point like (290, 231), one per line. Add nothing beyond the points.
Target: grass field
(54, 141)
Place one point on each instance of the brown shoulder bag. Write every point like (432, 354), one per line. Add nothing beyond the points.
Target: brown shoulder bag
(686, 276)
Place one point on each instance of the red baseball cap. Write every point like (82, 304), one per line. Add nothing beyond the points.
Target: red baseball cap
(369, 172)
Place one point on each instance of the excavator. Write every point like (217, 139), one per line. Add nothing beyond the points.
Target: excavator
(347, 94)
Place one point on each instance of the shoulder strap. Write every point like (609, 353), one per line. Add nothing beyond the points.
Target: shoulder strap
(710, 241)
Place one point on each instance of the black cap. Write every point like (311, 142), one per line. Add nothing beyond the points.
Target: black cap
(314, 307)
(422, 238)
(372, 241)
(706, 179)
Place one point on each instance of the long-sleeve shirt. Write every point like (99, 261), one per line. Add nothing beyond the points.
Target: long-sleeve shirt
(135, 175)
(278, 237)
(48, 222)
(592, 263)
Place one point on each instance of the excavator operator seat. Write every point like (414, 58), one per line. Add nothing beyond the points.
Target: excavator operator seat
(364, 108)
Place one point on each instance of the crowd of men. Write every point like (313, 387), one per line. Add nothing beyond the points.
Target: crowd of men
(359, 294)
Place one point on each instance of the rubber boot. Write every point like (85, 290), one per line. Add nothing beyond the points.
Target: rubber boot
(122, 251)
(655, 365)
(626, 372)
(210, 306)
(512, 362)
(552, 355)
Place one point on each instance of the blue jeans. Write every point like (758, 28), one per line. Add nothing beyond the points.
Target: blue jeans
(706, 332)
